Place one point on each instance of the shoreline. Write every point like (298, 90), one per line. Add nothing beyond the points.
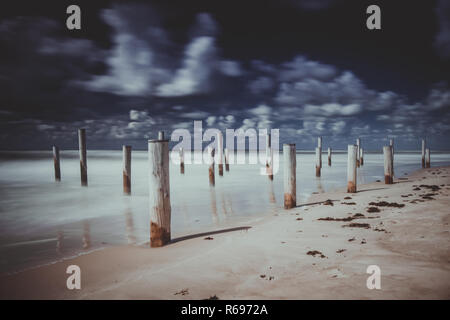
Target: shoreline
(288, 254)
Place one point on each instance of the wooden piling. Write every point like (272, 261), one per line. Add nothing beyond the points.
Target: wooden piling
(423, 153)
(159, 192)
(361, 156)
(388, 169)
(220, 153)
(212, 180)
(227, 160)
(427, 158)
(290, 187)
(126, 156)
(318, 156)
(319, 145)
(329, 157)
(351, 168)
(268, 147)
(160, 135)
(358, 144)
(56, 163)
(181, 161)
(83, 157)
(391, 144)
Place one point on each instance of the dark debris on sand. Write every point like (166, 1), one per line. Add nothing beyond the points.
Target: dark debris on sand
(315, 252)
(328, 202)
(357, 225)
(432, 187)
(349, 203)
(387, 204)
(373, 209)
(208, 238)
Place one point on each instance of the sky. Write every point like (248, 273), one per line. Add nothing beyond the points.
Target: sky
(306, 67)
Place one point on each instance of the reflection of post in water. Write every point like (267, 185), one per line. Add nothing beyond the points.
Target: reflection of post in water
(86, 235)
(224, 205)
(212, 193)
(59, 239)
(271, 193)
(319, 185)
(130, 226)
(229, 204)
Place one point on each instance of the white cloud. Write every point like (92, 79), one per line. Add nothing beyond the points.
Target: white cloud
(333, 109)
(193, 77)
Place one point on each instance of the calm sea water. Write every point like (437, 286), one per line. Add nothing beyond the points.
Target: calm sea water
(42, 221)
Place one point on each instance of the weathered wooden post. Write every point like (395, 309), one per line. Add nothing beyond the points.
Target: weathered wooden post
(423, 153)
(391, 144)
(160, 135)
(83, 158)
(428, 158)
(329, 157)
(318, 156)
(181, 161)
(227, 159)
(126, 169)
(268, 146)
(220, 153)
(319, 145)
(361, 156)
(388, 169)
(159, 192)
(351, 168)
(290, 186)
(212, 180)
(358, 144)
(56, 163)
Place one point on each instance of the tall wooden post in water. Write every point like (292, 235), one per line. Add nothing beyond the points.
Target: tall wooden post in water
(319, 145)
(56, 163)
(329, 157)
(268, 146)
(227, 160)
(126, 150)
(388, 169)
(83, 157)
(358, 144)
(159, 192)
(160, 135)
(220, 153)
(351, 168)
(427, 158)
(391, 144)
(212, 179)
(318, 158)
(423, 153)
(361, 156)
(290, 184)
(181, 161)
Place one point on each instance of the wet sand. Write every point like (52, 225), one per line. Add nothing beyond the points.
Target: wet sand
(319, 250)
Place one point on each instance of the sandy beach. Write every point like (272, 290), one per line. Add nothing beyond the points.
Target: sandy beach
(319, 250)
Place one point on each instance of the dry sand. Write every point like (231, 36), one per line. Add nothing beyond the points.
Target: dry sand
(411, 245)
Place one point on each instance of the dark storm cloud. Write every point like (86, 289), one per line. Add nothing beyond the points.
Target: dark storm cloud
(162, 70)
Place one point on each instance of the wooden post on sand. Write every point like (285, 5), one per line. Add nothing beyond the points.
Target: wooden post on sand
(159, 192)
(351, 168)
(290, 186)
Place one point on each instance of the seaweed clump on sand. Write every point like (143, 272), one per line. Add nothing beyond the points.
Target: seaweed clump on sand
(373, 209)
(432, 187)
(328, 202)
(315, 252)
(357, 225)
(387, 204)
